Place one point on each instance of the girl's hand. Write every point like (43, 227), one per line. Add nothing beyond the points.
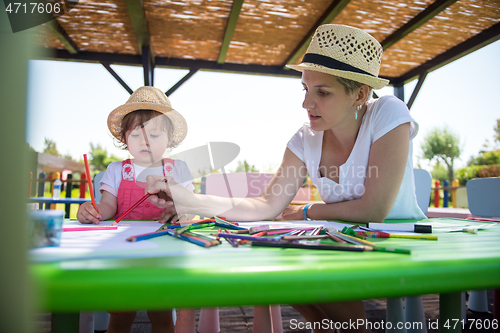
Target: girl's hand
(293, 212)
(171, 196)
(87, 214)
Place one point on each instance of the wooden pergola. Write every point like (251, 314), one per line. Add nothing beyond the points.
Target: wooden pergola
(262, 36)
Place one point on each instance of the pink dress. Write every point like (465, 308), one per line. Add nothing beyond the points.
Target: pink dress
(131, 191)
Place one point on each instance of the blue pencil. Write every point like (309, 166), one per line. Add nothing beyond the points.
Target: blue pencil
(193, 240)
(147, 236)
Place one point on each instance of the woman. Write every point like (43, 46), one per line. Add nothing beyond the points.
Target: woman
(356, 151)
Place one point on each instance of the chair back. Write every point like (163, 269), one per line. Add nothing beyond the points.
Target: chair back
(423, 186)
(483, 195)
(237, 184)
(97, 186)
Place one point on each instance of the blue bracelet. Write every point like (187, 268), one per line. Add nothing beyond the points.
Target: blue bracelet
(304, 211)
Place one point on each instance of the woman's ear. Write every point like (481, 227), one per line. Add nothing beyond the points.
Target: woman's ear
(363, 92)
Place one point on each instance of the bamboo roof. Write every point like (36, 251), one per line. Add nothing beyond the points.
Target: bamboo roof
(262, 36)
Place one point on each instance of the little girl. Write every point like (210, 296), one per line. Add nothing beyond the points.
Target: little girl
(146, 125)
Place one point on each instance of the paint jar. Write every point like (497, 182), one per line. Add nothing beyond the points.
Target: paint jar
(45, 227)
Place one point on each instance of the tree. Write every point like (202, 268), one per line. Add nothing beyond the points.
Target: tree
(243, 166)
(442, 144)
(99, 157)
(497, 132)
(50, 147)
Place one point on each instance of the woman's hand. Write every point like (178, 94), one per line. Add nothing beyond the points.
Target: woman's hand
(293, 212)
(168, 195)
(87, 214)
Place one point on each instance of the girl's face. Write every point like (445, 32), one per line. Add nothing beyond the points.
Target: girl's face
(147, 144)
(327, 103)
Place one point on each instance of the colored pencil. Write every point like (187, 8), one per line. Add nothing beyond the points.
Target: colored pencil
(424, 237)
(194, 240)
(233, 242)
(338, 247)
(335, 238)
(141, 200)
(132, 208)
(316, 246)
(89, 228)
(147, 236)
(482, 219)
(300, 237)
(251, 238)
(89, 180)
(286, 230)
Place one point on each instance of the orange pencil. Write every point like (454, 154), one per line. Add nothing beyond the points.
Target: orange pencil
(89, 180)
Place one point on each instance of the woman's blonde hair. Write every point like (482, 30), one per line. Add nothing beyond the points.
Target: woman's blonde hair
(350, 86)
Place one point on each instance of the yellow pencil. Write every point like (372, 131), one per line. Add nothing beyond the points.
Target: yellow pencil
(426, 237)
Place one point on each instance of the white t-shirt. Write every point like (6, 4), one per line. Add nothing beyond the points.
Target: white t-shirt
(382, 115)
(112, 178)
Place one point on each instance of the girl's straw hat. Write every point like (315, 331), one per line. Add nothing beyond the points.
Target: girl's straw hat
(148, 98)
(346, 52)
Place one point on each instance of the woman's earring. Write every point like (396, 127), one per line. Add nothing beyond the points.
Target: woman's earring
(356, 113)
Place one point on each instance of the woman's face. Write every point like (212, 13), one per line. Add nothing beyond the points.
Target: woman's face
(148, 144)
(327, 103)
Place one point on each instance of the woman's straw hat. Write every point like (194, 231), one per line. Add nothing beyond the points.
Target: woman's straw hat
(346, 52)
(148, 98)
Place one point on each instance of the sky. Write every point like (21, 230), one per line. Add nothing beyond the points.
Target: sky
(69, 103)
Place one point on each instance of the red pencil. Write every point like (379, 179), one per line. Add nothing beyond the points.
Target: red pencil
(131, 208)
(141, 200)
(89, 180)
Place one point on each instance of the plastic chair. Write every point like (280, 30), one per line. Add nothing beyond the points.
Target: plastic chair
(423, 186)
(241, 185)
(414, 306)
(97, 186)
(483, 196)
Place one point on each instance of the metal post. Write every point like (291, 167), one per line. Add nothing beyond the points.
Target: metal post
(69, 189)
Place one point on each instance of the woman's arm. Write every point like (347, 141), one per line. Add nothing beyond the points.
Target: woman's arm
(278, 194)
(386, 168)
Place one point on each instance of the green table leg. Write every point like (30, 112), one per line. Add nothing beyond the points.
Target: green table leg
(450, 312)
(65, 322)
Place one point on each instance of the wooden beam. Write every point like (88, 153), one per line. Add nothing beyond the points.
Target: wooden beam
(415, 92)
(231, 26)
(178, 63)
(328, 16)
(138, 19)
(434, 9)
(63, 37)
(181, 81)
(139, 23)
(480, 40)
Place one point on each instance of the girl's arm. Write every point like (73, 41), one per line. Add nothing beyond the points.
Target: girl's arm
(386, 168)
(278, 194)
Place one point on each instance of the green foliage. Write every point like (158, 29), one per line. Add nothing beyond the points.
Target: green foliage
(439, 172)
(99, 157)
(467, 173)
(50, 147)
(441, 144)
(444, 145)
(486, 158)
(497, 131)
(243, 166)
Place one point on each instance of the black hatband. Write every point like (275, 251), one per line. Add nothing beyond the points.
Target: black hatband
(322, 60)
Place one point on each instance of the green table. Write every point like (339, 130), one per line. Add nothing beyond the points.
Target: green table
(457, 262)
